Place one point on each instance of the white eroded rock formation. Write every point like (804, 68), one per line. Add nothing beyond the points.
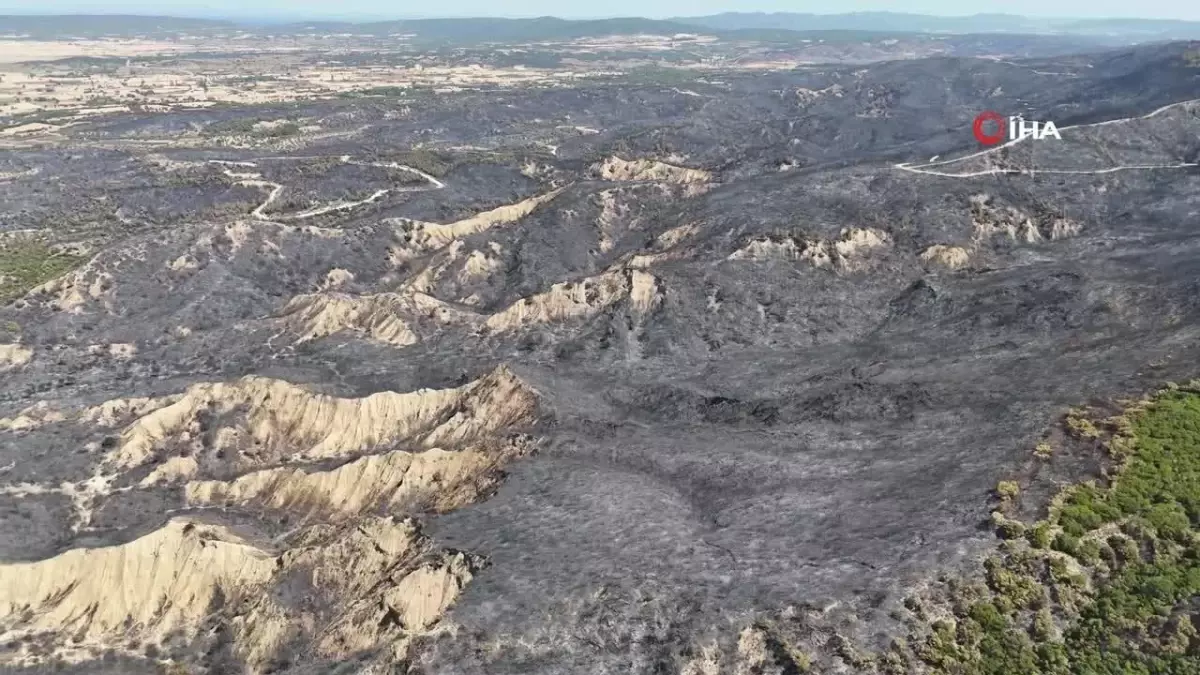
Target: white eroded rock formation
(351, 578)
(389, 318)
(440, 478)
(367, 587)
(419, 236)
(256, 422)
(581, 299)
(849, 251)
(13, 355)
(616, 168)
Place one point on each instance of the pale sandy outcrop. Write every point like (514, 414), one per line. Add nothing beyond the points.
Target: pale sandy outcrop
(764, 248)
(393, 317)
(480, 265)
(418, 236)
(990, 219)
(675, 235)
(336, 278)
(614, 212)
(580, 299)
(258, 421)
(343, 580)
(26, 129)
(439, 478)
(159, 583)
(644, 293)
(1015, 230)
(32, 417)
(851, 250)
(387, 581)
(806, 97)
(108, 414)
(751, 651)
(14, 355)
(666, 247)
(707, 662)
(321, 315)
(373, 585)
(424, 594)
(1062, 228)
(121, 351)
(74, 290)
(120, 411)
(752, 654)
(184, 263)
(114, 413)
(410, 603)
(453, 264)
(856, 241)
(263, 236)
(954, 257)
(616, 168)
(384, 317)
(646, 261)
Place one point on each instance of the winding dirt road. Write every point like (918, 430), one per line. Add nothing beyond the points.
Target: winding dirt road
(250, 179)
(924, 168)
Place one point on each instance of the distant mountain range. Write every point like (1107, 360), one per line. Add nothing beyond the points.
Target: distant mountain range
(731, 24)
(115, 25)
(1150, 29)
(502, 30)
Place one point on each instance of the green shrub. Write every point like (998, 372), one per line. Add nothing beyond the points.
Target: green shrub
(1007, 528)
(1018, 589)
(1134, 616)
(1066, 543)
(941, 649)
(1008, 489)
(1043, 628)
(427, 161)
(28, 264)
(1126, 549)
(1088, 552)
(1040, 535)
(1080, 427)
(1053, 659)
(1084, 510)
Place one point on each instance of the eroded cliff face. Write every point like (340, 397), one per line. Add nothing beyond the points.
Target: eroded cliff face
(345, 580)
(647, 169)
(367, 587)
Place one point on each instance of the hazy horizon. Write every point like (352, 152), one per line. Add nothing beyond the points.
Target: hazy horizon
(369, 10)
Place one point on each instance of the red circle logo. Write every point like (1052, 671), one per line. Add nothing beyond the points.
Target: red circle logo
(984, 137)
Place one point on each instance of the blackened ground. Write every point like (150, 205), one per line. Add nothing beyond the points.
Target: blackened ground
(772, 434)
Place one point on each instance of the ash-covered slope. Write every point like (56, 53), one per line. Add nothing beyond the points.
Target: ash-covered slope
(604, 409)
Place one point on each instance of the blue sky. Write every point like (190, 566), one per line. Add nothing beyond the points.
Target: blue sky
(1177, 9)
